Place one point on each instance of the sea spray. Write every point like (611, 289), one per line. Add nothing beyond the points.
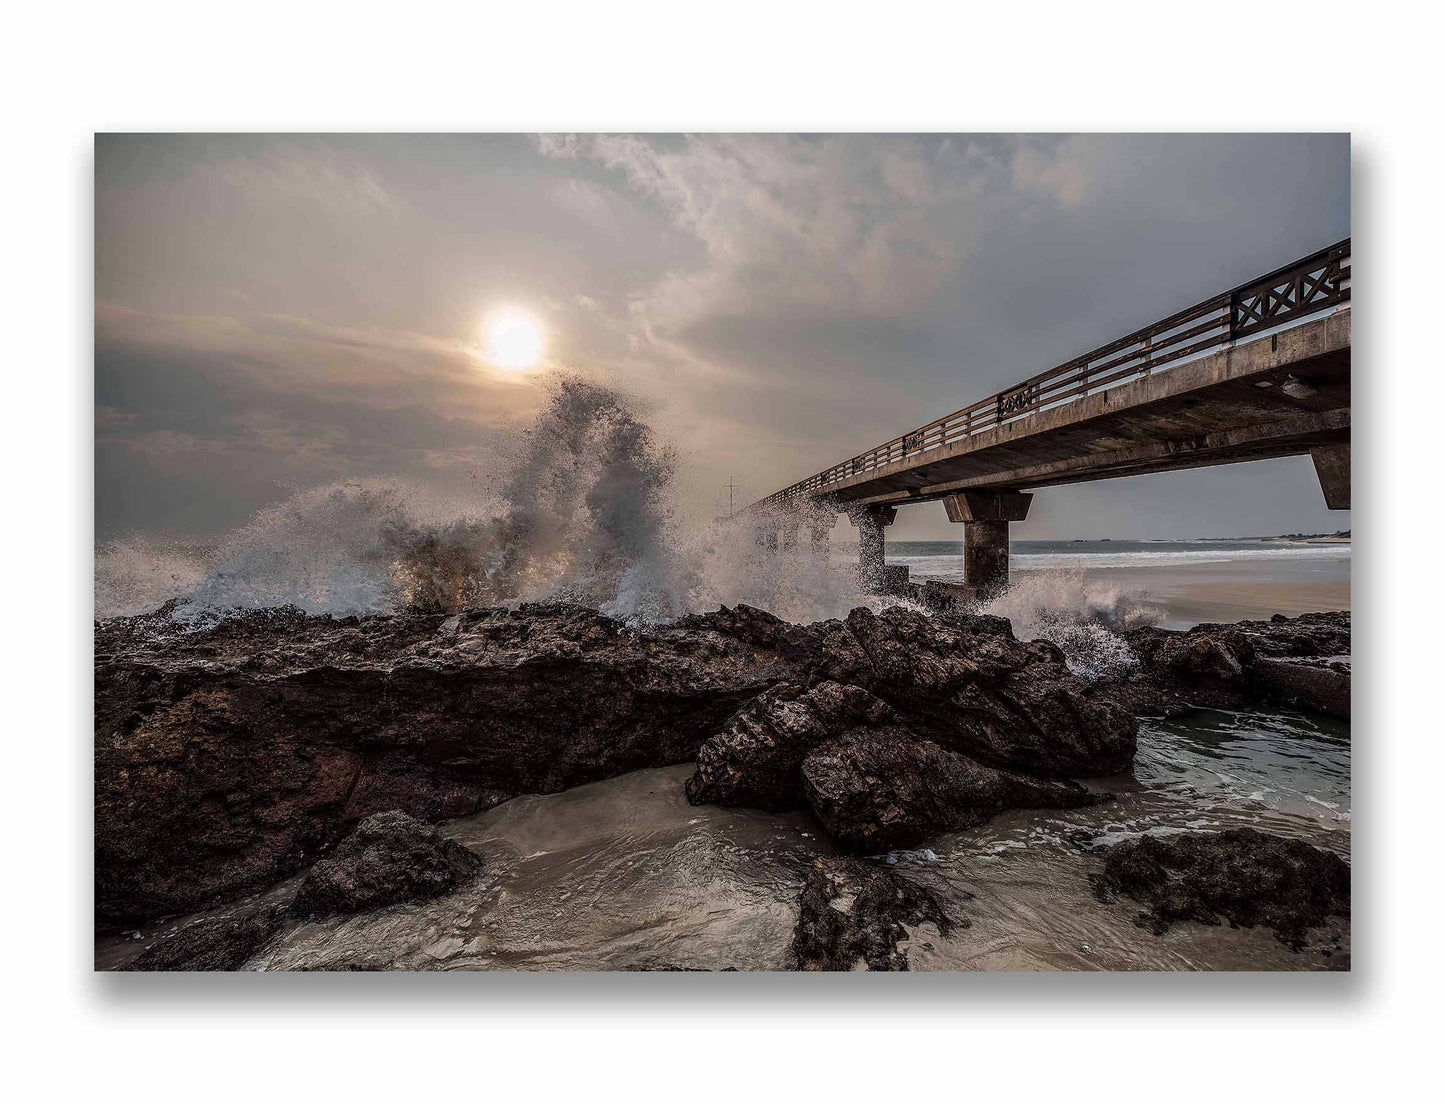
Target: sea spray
(136, 574)
(580, 508)
(582, 514)
(1081, 615)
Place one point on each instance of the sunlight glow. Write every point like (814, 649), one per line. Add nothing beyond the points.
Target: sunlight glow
(513, 340)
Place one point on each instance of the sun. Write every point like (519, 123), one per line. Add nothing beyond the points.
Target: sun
(513, 340)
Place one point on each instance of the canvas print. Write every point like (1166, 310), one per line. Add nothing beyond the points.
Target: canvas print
(756, 552)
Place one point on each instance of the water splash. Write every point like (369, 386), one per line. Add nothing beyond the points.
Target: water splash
(582, 514)
(1081, 615)
(580, 508)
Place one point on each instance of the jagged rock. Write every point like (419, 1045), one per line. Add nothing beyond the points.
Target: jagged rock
(851, 916)
(967, 684)
(230, 756)
(1244, 876)
(214, 943)
(885, 788)
(756, 759)
(388, 857)
(1282, 661)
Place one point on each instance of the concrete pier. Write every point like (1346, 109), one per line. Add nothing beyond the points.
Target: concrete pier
(1332, 465)
(821, 534)
(985, 517)
(871, 521)
(1256, 372)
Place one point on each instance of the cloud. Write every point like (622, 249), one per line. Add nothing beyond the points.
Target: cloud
(309, 173)
(273, 310)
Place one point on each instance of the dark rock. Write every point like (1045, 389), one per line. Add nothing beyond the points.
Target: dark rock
(1242, 875)
(1239, 666)
(851, 916)
(214, 943)
(885, 788)
(1316, 684)
(968, 685)
(231, 756)
(387, 858)
(755, 759)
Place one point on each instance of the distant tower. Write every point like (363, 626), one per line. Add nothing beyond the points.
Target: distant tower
(731, 488)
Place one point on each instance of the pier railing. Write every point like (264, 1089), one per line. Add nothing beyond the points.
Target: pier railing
(1308, 286)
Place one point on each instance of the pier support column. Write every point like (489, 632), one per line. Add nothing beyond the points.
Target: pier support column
(765, 535)
(871, 521)
(1332, 465)
(820, 533)
(985, 516)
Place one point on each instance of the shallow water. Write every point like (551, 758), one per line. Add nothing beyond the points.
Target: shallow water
(624, 874)
(1033, 906)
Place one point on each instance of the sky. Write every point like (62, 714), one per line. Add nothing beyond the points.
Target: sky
(275, 312)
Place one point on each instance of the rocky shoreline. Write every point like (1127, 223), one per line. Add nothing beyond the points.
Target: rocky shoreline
(231, 758)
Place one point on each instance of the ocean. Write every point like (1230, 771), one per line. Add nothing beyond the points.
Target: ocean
(1179, 583)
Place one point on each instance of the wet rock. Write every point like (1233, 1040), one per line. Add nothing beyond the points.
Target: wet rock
(755, 760)
(1243, 876)
(1240, 666)
(851, 916)
(388, 857)
(967, 684)
(884, 788)
(1317, 684)
(232, 755)
(213, 943)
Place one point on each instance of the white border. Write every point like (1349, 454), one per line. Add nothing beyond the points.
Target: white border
(269, 66)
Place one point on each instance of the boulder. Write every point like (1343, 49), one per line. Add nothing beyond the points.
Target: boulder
(852, 916)
(389, 857)
(756, 758)
(213, 943)
(886, 788)
(1241, 875)
(967, 684)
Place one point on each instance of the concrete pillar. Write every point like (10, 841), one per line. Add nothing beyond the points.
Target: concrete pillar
(985, 516)
(1332, 465)
(871, 521)
(820, 532)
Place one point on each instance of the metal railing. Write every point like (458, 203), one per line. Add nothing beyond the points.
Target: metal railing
(1309, 285)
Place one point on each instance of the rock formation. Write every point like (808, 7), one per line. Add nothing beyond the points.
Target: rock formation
(1292, 661)
(947, 721)
(388, 857)
(851, 916)
(875, 790)
(1244, 876)
(232, 756)
(213, 943)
